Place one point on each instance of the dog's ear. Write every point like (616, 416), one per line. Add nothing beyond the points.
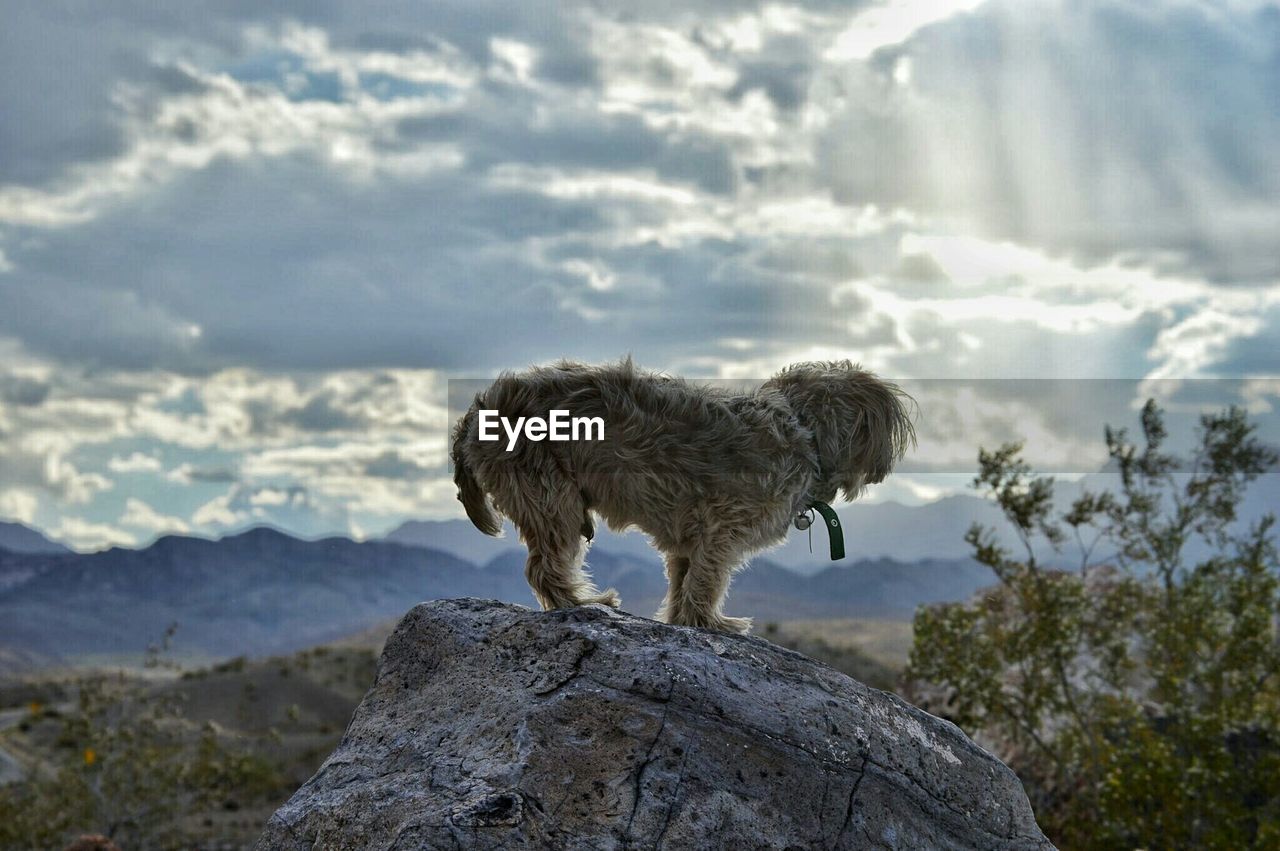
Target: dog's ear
(860, 424)
(881, 430)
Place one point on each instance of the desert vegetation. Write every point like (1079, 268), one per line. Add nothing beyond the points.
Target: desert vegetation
(1138, 695)
(160, 758)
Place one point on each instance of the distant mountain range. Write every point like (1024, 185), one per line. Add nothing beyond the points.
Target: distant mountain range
(256, 592)
(933, 530)
(872, 531)
(262, 591)
(23, 539)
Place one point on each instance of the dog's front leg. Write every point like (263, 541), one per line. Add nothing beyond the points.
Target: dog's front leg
(704, 582)
(677, 568)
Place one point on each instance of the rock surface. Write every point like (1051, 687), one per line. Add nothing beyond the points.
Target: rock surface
(493, 726)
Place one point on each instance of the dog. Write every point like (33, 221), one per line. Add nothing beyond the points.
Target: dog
(711, 476)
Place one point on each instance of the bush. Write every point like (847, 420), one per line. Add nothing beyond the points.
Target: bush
(131, 768)
(1139, 698)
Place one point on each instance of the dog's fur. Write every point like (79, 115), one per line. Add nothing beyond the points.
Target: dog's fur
(711, 476)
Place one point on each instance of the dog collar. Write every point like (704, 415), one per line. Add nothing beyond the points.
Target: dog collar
(831, 520)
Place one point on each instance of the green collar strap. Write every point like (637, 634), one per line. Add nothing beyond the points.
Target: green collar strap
(829, 519)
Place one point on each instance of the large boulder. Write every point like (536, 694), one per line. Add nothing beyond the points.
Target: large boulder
(493, 726)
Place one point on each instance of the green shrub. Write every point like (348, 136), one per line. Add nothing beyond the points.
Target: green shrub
(1139, 699)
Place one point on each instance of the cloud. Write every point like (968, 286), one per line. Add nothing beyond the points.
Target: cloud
(253, 247)
(18, 504)
(136, 462)
(1098, 129)
(187, 473)
(87, 536)
(140, 515)
(217, 512)
(890, 23)
(49, 470)
(367, 478)
(391, 464)
(208, 138)
(290, 507)
(16, 389)
(322, 413)
(700, 173)
(371, 443)
(219, 116)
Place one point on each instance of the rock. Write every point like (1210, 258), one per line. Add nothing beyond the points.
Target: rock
(493, 726)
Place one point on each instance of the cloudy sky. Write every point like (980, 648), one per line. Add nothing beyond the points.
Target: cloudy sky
(243, 246)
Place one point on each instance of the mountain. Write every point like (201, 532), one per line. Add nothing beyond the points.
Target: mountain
(263, 591)
(765, 590)
(257, 592)
(456, 537)
(463, 540)
(23, 539)
(872, 530)
(17, 568)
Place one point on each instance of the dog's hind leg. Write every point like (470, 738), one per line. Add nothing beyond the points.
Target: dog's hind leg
(554, 569)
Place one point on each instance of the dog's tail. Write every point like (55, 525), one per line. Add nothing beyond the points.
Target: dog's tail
(470, 493)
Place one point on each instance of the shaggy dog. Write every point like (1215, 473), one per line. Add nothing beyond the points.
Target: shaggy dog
(711, 476)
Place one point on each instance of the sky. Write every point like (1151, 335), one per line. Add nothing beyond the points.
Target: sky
(244, 246)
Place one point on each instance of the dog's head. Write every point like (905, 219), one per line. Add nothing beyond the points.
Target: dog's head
(860, 424)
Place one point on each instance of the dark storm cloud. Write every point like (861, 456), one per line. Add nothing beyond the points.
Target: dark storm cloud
(429, 273)
(321, 414)
(75, 71)
(347, 278)
(393, 465)
(62, 64)
(20, 390)
(211, 475)
(91, 323)
(784, 84)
